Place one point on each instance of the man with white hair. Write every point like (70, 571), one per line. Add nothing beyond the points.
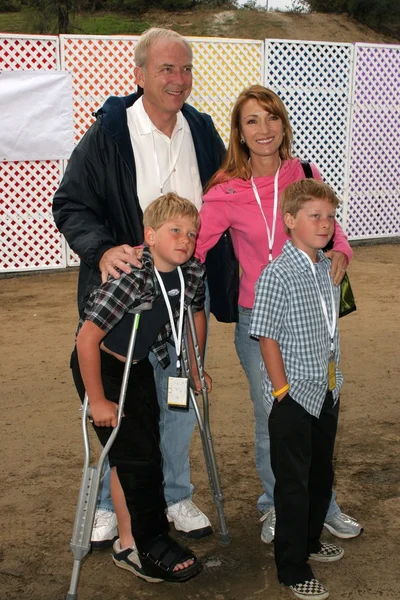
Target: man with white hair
(141, 146)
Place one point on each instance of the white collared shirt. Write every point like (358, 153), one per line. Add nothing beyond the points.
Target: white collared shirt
(163, 164)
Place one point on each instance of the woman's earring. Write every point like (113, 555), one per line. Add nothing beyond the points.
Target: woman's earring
(242, 140)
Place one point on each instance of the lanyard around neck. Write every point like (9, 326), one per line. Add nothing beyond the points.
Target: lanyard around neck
(330, 324)
(270, 234)
(156, 161)
(176, 333)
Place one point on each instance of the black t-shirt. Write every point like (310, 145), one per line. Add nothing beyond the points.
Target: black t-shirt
(151, 321)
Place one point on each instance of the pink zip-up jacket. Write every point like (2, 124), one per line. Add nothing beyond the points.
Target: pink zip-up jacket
(232, 205)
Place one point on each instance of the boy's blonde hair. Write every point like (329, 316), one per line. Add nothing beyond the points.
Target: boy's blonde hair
(298, 193)
(166, 208)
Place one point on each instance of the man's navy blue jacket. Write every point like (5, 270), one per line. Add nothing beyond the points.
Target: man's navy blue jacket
(96, 206)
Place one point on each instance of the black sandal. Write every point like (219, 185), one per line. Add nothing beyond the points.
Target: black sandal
(159, 557)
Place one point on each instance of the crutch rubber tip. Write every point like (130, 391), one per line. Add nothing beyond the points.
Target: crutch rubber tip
(71, 597)
(225, 539)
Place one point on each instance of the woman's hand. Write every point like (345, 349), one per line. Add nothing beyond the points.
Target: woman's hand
(118, 258)
(338, 267)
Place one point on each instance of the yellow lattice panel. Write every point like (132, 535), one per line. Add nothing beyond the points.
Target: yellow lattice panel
(222, 69)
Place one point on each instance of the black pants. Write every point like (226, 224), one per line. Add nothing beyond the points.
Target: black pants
(301, 459)
(136, 450)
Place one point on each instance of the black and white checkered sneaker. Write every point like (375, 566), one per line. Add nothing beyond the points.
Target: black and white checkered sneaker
(328, 553)
(310, 589)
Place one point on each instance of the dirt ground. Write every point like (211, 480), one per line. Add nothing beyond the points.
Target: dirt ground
(258, 24)
(41, 451)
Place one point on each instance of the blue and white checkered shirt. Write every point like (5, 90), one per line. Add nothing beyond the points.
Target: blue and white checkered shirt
(288, 309)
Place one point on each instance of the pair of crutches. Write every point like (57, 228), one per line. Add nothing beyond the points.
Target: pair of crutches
(84, 518)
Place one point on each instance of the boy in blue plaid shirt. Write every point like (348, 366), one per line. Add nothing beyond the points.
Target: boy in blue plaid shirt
(295, 319)
(170, 278)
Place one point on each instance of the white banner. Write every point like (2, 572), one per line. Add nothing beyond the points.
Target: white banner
(36, 121)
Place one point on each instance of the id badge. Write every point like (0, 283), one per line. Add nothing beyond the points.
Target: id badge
(178, 393)
(331, 372)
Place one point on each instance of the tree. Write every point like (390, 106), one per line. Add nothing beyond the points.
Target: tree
(53, 16)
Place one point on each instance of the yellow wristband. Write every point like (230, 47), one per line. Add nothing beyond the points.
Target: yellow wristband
(277, 393)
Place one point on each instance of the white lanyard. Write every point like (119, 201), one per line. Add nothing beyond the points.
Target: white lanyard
(177, 335)
(271, 236)
(162, 183)
(331, 325)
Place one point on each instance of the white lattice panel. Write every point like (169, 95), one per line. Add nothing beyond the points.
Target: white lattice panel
(222, 69)
(374, 207)
(314, 81)
(28, 233)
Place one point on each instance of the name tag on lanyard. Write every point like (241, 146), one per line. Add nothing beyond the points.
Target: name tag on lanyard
(331, 372)
(178, 387)
(178, 393)
(331, 324)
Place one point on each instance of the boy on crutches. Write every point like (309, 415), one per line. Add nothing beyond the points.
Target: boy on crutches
(169, 279)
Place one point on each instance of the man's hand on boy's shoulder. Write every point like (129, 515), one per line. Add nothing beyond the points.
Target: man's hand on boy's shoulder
(104, 413)
(116, 260)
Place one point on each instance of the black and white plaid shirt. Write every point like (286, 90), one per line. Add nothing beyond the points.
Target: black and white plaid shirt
(113, 299)
(288, 309)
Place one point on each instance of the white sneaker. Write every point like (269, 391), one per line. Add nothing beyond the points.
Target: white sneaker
(343, 526)
(105, 529)
(268, 529)
(188, 519)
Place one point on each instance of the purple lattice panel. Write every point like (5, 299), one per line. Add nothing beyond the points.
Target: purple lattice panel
(101, 67)
(29, 237)
(374, 207)
(23, 53)
(314, 81)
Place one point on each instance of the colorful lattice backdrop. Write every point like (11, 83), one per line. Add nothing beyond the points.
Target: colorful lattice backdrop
(345, 115)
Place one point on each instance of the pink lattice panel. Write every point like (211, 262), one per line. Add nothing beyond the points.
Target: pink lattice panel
(30, 239)
(101, 67)
(26, 53)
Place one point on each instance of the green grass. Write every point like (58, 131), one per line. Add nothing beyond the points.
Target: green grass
(17, 22)
(28, 21)
(108, 24)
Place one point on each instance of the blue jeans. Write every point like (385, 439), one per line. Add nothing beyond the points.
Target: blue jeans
(104, 498)
(176, 430)
(248, 351)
